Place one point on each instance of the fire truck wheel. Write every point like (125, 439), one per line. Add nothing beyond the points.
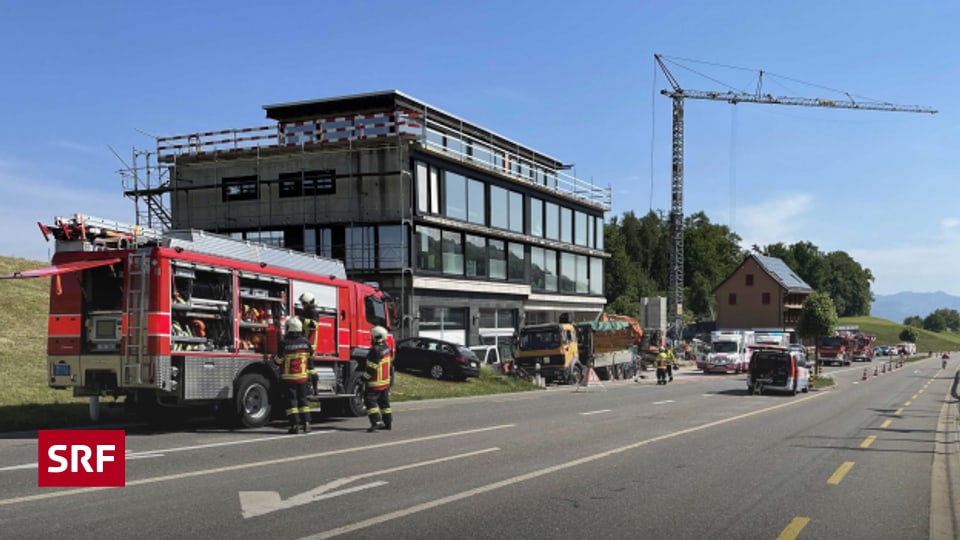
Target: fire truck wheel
(353, 405)
(253, 400)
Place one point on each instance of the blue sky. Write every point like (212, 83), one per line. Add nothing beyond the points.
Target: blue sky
(574, 80)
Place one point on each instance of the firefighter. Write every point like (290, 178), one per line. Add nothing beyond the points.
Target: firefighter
(377, 378)
(671, 360)
(662, 367)
(310, 326)
(296, 365)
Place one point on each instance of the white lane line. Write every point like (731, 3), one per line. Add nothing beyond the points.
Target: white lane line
(663, 402)
(245, 466)
(161, 451)
(429, 505)
(601, 411)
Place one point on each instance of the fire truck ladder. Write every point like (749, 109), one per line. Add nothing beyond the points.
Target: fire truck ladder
(135, 339)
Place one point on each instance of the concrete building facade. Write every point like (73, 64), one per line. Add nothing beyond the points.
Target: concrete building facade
(472, 233)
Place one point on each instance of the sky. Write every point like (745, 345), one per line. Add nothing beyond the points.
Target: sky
(574, 80)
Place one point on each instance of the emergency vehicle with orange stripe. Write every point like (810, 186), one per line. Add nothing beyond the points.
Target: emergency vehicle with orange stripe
(187, 318)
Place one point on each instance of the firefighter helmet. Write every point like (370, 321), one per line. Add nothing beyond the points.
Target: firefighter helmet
(293, 325)
(307, 300)
(378, 333)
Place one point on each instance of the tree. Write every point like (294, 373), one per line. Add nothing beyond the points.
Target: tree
(817, 319)
(934, 322)
(913, 320)
(848, 284)
(908, 334)
(951, 318)
(711, 253)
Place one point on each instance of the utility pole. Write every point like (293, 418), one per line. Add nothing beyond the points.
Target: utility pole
(678, 94)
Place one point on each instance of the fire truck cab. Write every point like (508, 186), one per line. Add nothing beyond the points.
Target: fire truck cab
(189, 318)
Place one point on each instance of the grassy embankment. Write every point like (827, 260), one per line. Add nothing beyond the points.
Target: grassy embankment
(26, 402)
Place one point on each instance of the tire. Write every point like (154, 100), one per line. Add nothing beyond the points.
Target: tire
(576, 374)
(252, 400)
(353, 405)
(437, 372)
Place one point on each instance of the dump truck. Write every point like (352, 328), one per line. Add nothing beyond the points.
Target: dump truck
(554, 348)
(609, 347)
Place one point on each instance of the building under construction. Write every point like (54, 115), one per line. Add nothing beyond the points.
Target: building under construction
(474, 234)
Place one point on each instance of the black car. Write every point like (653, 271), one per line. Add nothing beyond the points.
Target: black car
(439, 359)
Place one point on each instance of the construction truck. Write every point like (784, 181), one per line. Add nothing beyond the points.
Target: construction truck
(609, 347)
(729, 351)
(550, 350)
(178, 319)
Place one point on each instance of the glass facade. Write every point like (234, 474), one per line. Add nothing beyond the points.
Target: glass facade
(452, 253)
(536, 217)
(455, 196)
(498, 259)
(476, 256)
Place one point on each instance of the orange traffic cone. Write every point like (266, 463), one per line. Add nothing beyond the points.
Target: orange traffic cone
(875, 371)
(884, 368)
(864, 373)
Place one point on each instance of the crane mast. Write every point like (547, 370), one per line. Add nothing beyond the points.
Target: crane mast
(677, 94)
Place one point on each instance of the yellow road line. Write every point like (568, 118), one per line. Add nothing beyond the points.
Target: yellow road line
(793, 529)
(915, 396)
(886, 423)
(868, 441)
(898, 412)
(841, 471)
(907, 404)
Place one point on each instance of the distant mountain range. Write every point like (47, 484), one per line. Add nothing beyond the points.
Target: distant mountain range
(899, 306)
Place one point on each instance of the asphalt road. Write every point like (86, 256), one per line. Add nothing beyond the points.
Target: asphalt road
(698, 458)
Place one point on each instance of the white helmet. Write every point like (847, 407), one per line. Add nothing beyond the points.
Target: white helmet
(378, 333)
(293, 325)
(307, 299)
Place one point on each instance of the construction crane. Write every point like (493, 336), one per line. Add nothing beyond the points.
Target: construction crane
(678, 94)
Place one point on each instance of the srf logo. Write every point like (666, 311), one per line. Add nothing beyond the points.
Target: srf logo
(79, 458)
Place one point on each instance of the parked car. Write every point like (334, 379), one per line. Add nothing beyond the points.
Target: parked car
(438, 359)
(779, 369)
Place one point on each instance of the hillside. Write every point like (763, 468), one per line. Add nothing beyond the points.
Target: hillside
(888, 333)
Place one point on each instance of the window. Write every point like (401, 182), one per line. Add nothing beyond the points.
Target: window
(516, 263)
(596, 275)
(536, 217)
(537, 272)
(732, 299)
(516, 212)
(270, 238)
(476, 261)
(568, 273)
(428, 249)
(452, 253)
(308, 183)
(580, 228)
(428, 189)
(498, 259)
(455, 196)
(240, 188)
(765, 298)
(391, 250)
(360, 248)
(591, 240)
(499, 209)
(476, 202)
(599, 232)
(550, 270)
(552, 228)
(582, 281)
(566, 225)
(749, 280)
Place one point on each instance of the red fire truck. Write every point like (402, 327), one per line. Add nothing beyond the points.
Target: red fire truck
(188, 318)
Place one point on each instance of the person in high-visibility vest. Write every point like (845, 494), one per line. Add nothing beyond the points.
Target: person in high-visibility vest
(662, 367)
(671, 360)
(377, 377)
(296, 365)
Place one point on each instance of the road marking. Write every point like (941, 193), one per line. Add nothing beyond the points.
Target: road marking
(907, 404)
(159, 452)
(258, 503)
(841, 471)
(793, 529)
(885, 423)
(245, 466)
(898, 412)
(601, 411)
(429, 505)
(921, 390)
(663, 402)
(914, 396)
(868, 441)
